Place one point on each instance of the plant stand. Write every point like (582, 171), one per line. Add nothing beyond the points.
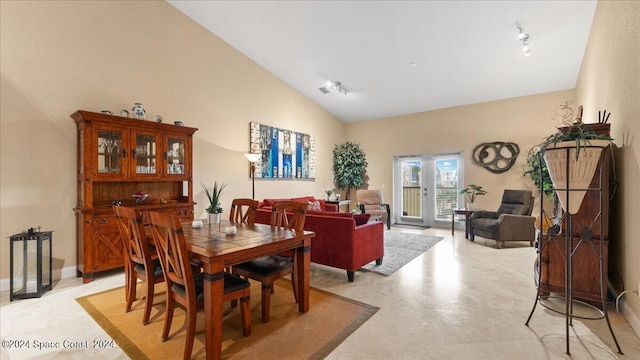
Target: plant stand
(578, 244)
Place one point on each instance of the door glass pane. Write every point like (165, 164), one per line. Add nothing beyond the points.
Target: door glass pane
(446, 181)
(109, 151)
(145, 154)
(175, 156)
(411, 185)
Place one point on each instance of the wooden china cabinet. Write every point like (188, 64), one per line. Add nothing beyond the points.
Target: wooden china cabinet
(117, 157)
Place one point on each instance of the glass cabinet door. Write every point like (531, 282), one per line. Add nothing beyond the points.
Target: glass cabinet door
(145, 154)
(175, 155)
(110, 152)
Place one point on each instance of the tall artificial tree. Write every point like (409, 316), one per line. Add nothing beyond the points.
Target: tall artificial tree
(349, 166)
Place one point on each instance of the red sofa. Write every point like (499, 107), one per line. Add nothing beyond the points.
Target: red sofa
(338, 241)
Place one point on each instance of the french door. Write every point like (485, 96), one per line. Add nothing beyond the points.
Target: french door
(426, 188)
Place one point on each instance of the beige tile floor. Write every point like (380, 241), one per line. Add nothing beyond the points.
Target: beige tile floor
(459, 300)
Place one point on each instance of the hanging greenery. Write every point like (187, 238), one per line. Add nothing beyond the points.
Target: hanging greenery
(533, 167)
(349, 166)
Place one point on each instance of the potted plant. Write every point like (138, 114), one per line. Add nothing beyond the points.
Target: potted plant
(579, 138)
(581, 147)
(329, 192)
(215, 207)
(349, 167)
(472, 191)
(580, 144)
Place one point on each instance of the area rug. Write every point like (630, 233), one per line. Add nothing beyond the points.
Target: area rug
(399, 249)
(288, 335)
(408, 226)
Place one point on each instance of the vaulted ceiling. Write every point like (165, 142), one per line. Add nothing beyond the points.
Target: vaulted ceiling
(401, 57)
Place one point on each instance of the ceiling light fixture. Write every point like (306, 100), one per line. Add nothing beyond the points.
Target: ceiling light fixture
(336, 85)
(523, 36)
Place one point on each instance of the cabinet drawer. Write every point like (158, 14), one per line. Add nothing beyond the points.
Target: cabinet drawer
(104, 220)
(183, 213)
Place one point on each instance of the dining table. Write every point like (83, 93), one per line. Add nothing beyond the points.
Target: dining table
(217, 246)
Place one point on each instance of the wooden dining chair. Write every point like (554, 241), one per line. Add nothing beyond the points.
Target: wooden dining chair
(243, 211)
(140, 258)
(267, 269)
(185, 287)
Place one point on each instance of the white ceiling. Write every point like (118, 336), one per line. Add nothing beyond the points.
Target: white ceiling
(466, 51)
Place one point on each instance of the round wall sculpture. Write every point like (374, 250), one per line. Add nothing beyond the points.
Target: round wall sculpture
(497, 157)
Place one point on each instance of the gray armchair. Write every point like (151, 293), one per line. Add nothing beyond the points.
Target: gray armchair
(512, 221)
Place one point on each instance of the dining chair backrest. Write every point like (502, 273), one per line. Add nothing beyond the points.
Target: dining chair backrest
(140, 257)
(174, 256)
(288, 215)
(133, 234)
(243, 211)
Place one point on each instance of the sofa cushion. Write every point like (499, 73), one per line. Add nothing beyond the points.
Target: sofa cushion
(485, 224)
(269, 202)
(361, 218)
(329, 213)
(304, 199)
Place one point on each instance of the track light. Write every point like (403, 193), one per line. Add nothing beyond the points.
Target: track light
(523, 36)
(337, 86)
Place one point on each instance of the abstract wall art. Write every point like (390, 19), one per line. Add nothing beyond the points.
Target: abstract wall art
(284, 154)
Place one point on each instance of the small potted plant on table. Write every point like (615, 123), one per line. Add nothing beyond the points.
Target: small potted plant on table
(472, 191)
(214, 210)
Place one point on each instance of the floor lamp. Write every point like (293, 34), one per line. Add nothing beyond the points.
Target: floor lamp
(253, 158)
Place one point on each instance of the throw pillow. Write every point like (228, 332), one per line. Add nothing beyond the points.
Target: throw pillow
(361, 218)
(314, 206)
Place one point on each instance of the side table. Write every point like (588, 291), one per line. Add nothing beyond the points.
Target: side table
(340, 203)
(467, 214)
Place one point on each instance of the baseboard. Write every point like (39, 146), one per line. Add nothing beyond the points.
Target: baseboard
(632, 318)
(66, 272)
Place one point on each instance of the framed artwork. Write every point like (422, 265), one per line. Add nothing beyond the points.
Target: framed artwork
(284, 154)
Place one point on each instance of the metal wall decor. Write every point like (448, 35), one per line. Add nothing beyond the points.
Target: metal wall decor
(497, 157)
(284, 154)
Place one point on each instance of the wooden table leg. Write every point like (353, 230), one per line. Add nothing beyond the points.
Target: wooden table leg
(303, 267)
(453, 221)
(213, 294)
(466, 226)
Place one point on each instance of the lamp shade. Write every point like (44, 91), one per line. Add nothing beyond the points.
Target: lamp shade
(252, 157)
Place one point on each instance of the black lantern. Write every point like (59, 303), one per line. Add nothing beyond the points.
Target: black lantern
(30, 269)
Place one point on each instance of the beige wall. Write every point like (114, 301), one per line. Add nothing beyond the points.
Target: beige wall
(610, 79)
(57, 57)
(523, 120)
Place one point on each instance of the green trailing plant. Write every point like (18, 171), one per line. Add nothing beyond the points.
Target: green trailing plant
(215, 207)
(578, 132)
(472, 191)
(349, 166)
(532, 169)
